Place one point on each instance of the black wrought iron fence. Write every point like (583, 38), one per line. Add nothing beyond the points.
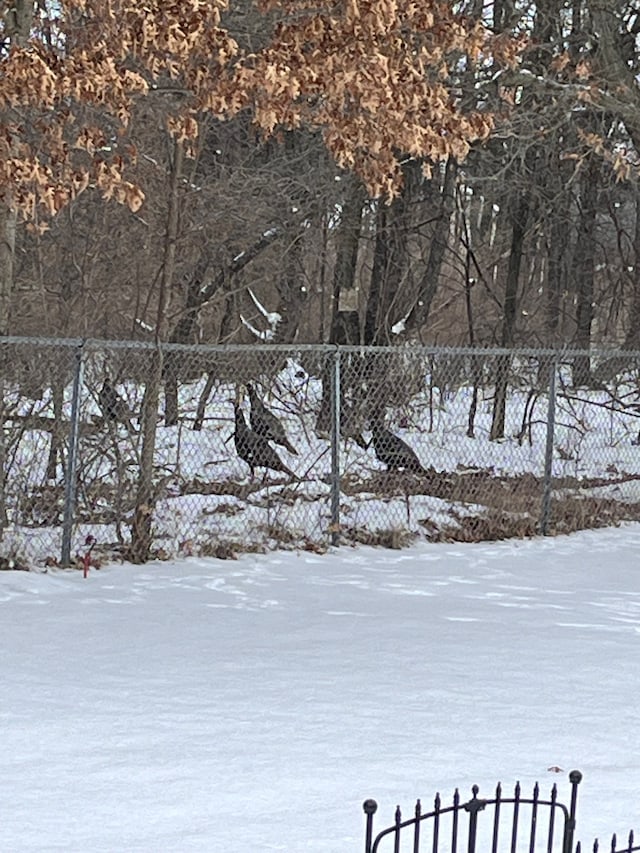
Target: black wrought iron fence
(498, 823)
(631, 845)
(104, 440)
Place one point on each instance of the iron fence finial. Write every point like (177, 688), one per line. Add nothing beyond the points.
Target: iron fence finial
(370, 807)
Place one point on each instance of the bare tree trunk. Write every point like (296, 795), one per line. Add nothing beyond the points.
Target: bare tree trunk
(56, 439)
(519, 230)
(171, 407)
(558, 213)
(17, 26)
(345, 322)
(632, 338)
(230, 317)
(556, 279)
(141, 530)
(345, 326)
(8, 223)
(379, 273)
(202, 402)
(476, 368)
(18, 18)
(390, 261)
(427, 289)
(184, 332)
(584, 268)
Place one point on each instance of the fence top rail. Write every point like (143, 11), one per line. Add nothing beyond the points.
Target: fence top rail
(468, 806)
(411, 349)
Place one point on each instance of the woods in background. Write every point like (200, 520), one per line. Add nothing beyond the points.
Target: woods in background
(360, 172)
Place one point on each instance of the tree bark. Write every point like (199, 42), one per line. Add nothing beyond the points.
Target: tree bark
(345, 320)
(17, 26)
(141, 530)
(390, 261)
(520, 221)
(584, 269)
(345, 326)
(379, 272)
(632, 338)
(557, 209)
(8, 224)
(8, 221)
(428, 286)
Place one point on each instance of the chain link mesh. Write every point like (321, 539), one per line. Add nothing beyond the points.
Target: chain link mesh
(439, 443)
(35, 390)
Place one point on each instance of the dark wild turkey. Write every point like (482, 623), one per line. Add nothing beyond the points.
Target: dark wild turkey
(114, 407)
(265, 423)
(254, 449)
(393, 452)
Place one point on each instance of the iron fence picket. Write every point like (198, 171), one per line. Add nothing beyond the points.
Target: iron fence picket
(436, 822)
(416, 829)
(552, 816)
(534, 816)
(496, 819)
(516, 816)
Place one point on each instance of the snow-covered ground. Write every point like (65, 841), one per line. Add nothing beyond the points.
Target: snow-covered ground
(252, 705)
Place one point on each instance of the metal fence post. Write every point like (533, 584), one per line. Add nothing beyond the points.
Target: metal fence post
(72, 460)
(335, 448)
(575, 777)
(548, 453)
(370, 807)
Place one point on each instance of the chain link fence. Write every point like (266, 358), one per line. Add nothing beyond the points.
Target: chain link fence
(222, 450)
